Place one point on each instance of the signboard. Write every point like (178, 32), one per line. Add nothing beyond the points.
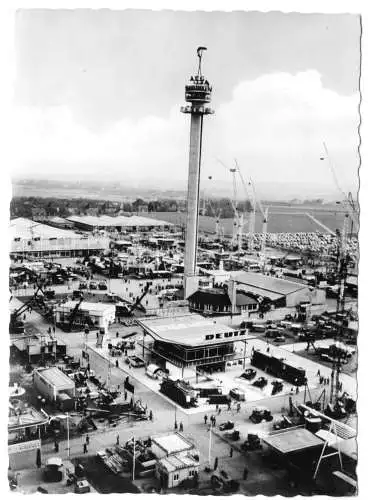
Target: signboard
(26, 446)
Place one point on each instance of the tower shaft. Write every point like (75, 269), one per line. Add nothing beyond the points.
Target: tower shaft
(194, 175)
(198, 95)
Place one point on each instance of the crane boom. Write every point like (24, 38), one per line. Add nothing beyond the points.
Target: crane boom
(347, 199)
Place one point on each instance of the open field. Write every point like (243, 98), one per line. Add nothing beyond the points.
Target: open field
(280, 220)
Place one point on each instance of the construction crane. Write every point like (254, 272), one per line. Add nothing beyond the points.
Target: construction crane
(35, 300)
(73, 314)
(127, 310)
(264, 213)
(251, 195)
(341, 272)
(236, 224)
(237, 221)
(348, 201)
(217, 215)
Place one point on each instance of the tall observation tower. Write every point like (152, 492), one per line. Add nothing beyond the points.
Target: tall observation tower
(198, 93)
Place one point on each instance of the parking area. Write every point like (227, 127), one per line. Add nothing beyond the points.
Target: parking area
(227, 380)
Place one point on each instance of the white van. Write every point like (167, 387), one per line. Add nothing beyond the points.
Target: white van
(154, 371)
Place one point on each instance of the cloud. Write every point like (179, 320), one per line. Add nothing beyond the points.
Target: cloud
(274, 125)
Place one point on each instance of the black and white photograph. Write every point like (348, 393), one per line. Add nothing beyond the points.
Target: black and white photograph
(183, 235)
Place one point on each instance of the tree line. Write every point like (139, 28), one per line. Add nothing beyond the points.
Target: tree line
(33, 207)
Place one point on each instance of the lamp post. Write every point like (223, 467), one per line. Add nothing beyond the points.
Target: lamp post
(68, 434)
(175, 421)
(210, 445)
(133, 471)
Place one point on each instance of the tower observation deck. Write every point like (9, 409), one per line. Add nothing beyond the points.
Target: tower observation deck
(198, 93)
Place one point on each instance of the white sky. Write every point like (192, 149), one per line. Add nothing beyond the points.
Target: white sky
(98, 93)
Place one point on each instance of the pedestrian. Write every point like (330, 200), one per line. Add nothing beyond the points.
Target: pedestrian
(56, 447)
(87, 439)
(297, 390)
(318, 373)
(238, 408)
(117, 440)
(229, 406)
(219, 411)
(181, 427)
(85, 448)
(245, 473)
(38, 458)
(215, 465)
(205, 418)
(214, 421)
(24, 317)
(117, 334)
(231, 452)
(268, 349)
(54, 329)
(151, 415)
(117, 363)
(125, 395)
(217, 408)
(328, 381)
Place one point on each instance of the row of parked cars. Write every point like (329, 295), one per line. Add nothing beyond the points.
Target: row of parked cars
(93, 285)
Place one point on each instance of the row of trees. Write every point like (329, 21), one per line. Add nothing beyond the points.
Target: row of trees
(37, 207)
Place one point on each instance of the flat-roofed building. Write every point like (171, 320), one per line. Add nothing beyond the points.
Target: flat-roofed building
(30, 238)
(177, 459)
(95, 314)
(51, 382)
(119, 223)
(170, 444)
(192, 341)
(282, 293)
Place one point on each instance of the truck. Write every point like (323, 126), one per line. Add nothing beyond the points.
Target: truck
(180, 392)
(279, 367)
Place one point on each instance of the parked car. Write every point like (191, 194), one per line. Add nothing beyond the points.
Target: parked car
(93, 285)
(272, 333)
(135, 361)
(259, 414)
(226, 426)
(102, 285)
(237, 394)
(280, 339)
(252, 443)
(83, 285)
(155, 371)
(249, 374)
(260, 382)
